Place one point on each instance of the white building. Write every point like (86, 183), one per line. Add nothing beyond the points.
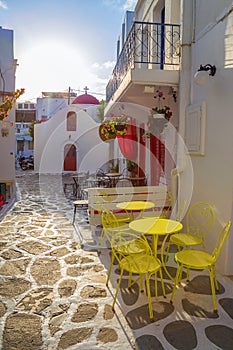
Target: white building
(25, 114)
(69, 141)
(7, 132)
(172, 39)
(52, 102)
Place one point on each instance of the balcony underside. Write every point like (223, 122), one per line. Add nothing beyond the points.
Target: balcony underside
(139, 84)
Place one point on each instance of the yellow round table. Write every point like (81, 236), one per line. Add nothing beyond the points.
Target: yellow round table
(156, 227)
(135, 206)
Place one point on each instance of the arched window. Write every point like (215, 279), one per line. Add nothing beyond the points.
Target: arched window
(71, 121)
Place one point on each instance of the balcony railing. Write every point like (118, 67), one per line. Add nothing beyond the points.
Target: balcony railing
(151, 45)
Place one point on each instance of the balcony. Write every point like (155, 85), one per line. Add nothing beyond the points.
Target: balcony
(150, 46)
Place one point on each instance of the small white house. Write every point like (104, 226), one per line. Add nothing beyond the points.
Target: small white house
(69, 141)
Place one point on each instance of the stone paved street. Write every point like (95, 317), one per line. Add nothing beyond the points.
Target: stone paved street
(53, 294)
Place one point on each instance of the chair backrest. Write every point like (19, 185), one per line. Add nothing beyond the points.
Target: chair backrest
(199, 219)
(100, 173)
(221, 240)
(124, 239)
(108, 219)
(124, 172)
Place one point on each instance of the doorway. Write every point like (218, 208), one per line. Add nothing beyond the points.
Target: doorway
(70, 161)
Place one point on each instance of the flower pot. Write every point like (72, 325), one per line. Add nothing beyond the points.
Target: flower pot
(158, 116)
(108, 136)
(157, 125)
(120, 127)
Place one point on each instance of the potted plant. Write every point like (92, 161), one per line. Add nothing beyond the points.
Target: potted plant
(132, 167)
(114, 168)
(160, 115)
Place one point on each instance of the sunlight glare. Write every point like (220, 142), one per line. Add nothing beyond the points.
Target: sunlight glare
(55, 67)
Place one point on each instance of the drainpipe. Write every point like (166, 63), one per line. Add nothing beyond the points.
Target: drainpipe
(188, 8)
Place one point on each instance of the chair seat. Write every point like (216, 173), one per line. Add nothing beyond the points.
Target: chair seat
(81, 203)
(140, 264)
(123, 218)
(194, 259)
(133, 247)
(186, 239)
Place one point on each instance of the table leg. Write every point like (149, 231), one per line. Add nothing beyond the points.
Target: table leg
(162, 259)
(155, 244)
(75, 209)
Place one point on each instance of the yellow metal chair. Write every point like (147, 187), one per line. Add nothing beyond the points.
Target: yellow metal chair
(199, 221)
(111, 227)
(194, 259)
(111, 224)
(108, 219)
(104, 202)
(141, 262)
(164, 212)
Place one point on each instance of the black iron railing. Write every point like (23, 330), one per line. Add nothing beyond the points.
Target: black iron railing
(147, 45)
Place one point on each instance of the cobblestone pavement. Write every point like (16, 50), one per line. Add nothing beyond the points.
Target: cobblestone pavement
(53, 292)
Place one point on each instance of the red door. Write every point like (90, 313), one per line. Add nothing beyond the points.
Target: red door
(70, 158)
(157, 159)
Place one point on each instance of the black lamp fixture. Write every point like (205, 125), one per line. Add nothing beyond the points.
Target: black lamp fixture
(201, 76)
(208, 67)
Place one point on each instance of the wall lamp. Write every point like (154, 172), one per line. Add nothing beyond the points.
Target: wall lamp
(201, 76)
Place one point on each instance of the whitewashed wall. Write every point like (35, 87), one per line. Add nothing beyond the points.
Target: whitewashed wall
(212, 42)
(8, 66)
(51, 138)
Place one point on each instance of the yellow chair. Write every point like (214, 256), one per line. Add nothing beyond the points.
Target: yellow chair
(104, 202)
(111, 227)
(194, 259)
(164, 203)
(108, 219)
(199, 221)
(142, 263)
(111, 224)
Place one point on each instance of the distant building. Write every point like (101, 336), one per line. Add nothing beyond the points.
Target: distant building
(69, 140)
(52, 102)
(25, 114)
(125, 28)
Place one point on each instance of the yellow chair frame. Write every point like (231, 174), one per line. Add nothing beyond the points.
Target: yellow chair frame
(111, 224)
(195, 259)
(199, 220)
(142, 263)
(111, 227)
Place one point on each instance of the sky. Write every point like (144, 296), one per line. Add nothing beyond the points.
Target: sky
(62, 44)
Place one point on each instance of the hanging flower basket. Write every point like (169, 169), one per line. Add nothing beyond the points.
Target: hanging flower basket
(156, 125)
(160, 115)
(120, 127)
(116, 126)
(121, 123)
(107, 133)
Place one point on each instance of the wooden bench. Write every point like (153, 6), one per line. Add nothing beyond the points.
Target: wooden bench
(99, 198)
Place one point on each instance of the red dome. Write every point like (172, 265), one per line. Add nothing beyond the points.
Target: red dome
(86, 99)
